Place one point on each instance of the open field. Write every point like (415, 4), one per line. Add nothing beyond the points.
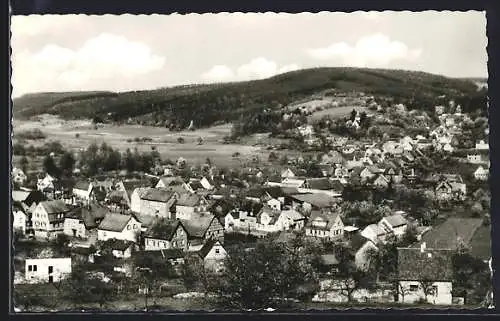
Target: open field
(79, 134)
(336, 112)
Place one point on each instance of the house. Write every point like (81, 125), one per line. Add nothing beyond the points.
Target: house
(120, 249)
(482, 145)
(175, 257)
(48, 219)
(166, 181)
(46, 183)
(18, 176)
(203, 226)
(273, 220)
(80, 221)
(187, 204)
(166, 234)
(453, 233)
(374, 233)
(333, 158)
(118, 226)
(20, 218)
(213, 255)
(83, 191)
(446, 190)
(481, 173)
(325, 225)
(47, 270)
(439, 110)
(392, 147)
(287, 173)
(425, 274)
(394, 224)
(156, 202)
(362, 248)
(82, 254)
(129, 187)
(381, 181)
(322, 185)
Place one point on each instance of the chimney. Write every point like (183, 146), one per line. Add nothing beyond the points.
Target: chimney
(422, 247)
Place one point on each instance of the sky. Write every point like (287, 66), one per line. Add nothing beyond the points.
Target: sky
(135, 52)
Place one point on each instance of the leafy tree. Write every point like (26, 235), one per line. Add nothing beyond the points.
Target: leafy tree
(85, 288)
(353, 115)
(272, 157)
(50, 166)
(67, 163)
(24, 163)
(180, 140)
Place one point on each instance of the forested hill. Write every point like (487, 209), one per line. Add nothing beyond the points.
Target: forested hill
(208, 104)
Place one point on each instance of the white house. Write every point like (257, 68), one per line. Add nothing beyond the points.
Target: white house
(323, 225)
(156, 202)
(213, 255)
(18, 176)
(394, 224)
(187, 204)
(362, 249)
(48, 218)
(287, 173)
(481, 173)
(83, 191)
(206, 184)
(169, 234)
(120, 227)
(374, 233)
(19, 219)
(482, 145)
(425, 274)
(45, 183)
(47, 270)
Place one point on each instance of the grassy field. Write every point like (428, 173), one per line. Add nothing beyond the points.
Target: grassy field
(75, 135)
(336, 112)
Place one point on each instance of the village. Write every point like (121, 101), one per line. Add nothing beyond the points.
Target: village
(401, 208)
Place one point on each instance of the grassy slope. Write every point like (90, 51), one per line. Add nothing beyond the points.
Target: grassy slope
(208, 104)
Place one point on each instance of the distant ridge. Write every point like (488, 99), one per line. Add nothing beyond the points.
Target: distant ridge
(208, 104)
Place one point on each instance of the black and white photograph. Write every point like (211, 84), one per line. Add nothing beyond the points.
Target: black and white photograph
(250, 162)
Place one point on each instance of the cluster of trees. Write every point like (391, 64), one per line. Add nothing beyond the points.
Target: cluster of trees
(34, 134)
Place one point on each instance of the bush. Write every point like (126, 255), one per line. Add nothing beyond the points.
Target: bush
(180, 140)
(77, 135)
(35, 134)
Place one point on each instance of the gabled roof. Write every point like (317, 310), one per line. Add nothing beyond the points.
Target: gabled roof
(396, 220)
(171, 180)
(329, 218)
(131, 185)
(54, 207)
(375, 229)
(19, 196)
(207, 247)
(431, 265)
(316, 200)
(189, 200)
(164, 229)
(157, 195)
(197, 226)
(88, 216)
(357, 241)
(115, 222)
(324, 184)
(451, 233)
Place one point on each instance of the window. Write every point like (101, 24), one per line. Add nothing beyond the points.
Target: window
(217, 251)
(413, 287)
(135, 226)
(128, 227)
(30, 268)
(34, 268)
(435, 290)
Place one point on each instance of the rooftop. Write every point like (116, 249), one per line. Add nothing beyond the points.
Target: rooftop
(114, 222)
(427, 265)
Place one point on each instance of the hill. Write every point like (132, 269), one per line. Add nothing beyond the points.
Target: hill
(207, 105)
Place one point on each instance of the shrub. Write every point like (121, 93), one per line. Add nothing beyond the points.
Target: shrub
(77, 135)
(35, 134)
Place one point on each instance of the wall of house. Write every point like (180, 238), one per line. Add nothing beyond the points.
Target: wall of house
(129, 233)
(74, 227)
(122, 254)
(442, 297)
(183, 212)
(215, 231)
(81, 194)
(37, 270)
(135, 202)
(153, 208)
(40, 221)
(19, 222)
(362, 256)
(214, 260)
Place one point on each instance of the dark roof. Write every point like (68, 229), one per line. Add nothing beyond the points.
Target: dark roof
(431, 265)
(119, 245)
(162, 254)
(114, 222)
(205, 249)
(163, 229)
(316, 200)
(83, 185)
(318, 215)
(131, 185)
(81, 250)
(88, 215)
(189, 200)
(197, 226)
(396, 220)
(35, 197)
(195, 185)
(320, 183)
(451, 233)
(157, 195)
(55, 207)
(357, 241)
